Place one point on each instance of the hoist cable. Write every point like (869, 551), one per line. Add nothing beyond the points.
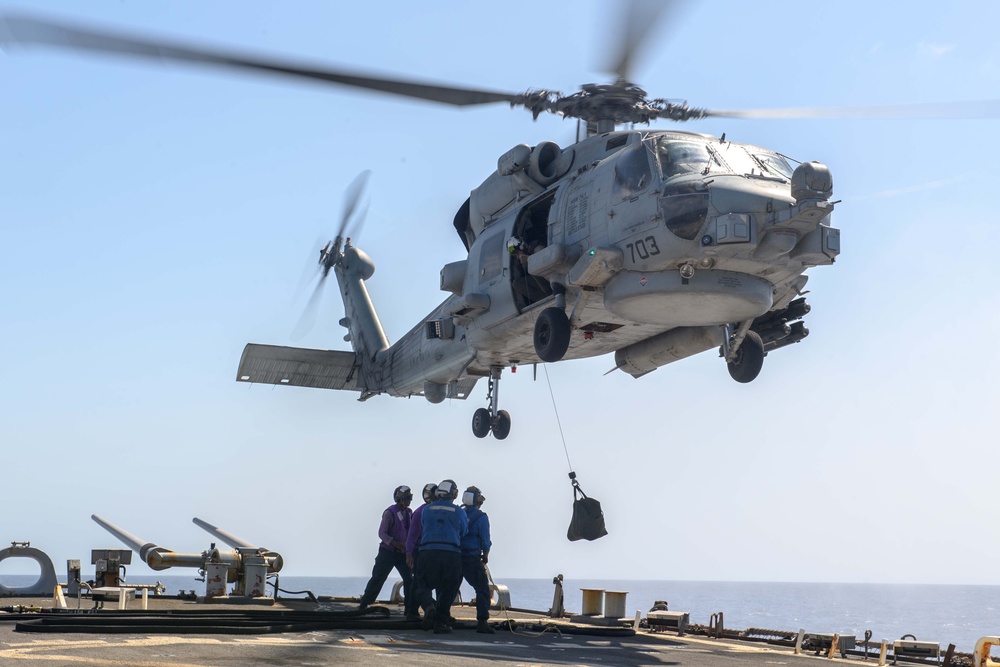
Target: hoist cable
(558, 422)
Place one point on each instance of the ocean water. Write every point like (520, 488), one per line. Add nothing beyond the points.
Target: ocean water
(943, 613)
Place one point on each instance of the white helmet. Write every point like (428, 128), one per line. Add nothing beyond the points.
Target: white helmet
(429, 490)
(473, 497)
(447, 489)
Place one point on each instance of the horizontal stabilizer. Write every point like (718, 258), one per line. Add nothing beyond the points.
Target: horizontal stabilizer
(299, 367)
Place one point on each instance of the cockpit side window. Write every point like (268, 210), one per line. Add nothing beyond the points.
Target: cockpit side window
(632, 174)
(686, 156)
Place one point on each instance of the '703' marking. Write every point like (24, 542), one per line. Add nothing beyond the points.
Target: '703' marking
(643, 249)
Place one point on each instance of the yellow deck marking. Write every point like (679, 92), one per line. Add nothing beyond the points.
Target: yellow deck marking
(729, 646)
(361, 644)
(31, 655)
(36, 650)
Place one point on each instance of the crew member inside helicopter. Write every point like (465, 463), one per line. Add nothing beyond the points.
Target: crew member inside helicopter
(530, 236)
(527, 288)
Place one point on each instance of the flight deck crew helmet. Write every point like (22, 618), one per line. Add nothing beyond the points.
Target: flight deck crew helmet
(429, 490)
(402, 493)
(473, 497)
(447, 489)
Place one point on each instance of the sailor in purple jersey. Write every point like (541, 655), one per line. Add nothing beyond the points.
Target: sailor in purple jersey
(416, 528)
(392, 533)
(413, 546)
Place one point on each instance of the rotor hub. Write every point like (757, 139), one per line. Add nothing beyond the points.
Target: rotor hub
(606, 105)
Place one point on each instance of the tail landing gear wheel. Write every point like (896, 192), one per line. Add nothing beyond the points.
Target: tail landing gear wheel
(749, 359)
(481, 423)
(489, 419)
(551, 334)
(501, 429)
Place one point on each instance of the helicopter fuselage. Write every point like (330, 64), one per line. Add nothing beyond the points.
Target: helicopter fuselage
(654, 240)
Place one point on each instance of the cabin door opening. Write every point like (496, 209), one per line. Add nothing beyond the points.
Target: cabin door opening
(531, 231)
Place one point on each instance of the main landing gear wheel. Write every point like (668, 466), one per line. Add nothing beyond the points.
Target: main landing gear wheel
(749, 359)
(551, 334)
(481, 423)
(501, 427)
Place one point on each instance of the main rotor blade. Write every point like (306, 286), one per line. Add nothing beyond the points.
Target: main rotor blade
(638, 19)
(929, 110)
(27, 31)
(352, 198)
(355, 231)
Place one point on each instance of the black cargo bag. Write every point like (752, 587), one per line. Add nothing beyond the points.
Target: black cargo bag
(588, 519)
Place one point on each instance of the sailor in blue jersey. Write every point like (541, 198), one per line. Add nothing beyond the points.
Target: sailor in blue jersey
(476, 553)
(440, 556)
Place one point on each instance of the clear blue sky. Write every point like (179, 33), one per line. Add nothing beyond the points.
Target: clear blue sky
(153, 220)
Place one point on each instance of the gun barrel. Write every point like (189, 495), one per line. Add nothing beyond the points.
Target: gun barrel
(147, 551)
(229, 539)
(274, 559)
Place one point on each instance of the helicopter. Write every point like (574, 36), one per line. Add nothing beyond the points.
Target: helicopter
(651, 244)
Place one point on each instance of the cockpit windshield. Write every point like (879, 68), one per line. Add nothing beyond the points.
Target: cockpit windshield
(774, 165)
(754, 162)
(678, 156)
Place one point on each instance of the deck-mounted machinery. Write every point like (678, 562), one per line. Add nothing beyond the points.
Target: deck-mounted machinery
(246, 565)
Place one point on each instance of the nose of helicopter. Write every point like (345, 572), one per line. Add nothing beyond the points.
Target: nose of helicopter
(772, 220)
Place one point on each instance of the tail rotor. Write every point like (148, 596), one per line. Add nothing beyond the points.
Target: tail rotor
(353, 216)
